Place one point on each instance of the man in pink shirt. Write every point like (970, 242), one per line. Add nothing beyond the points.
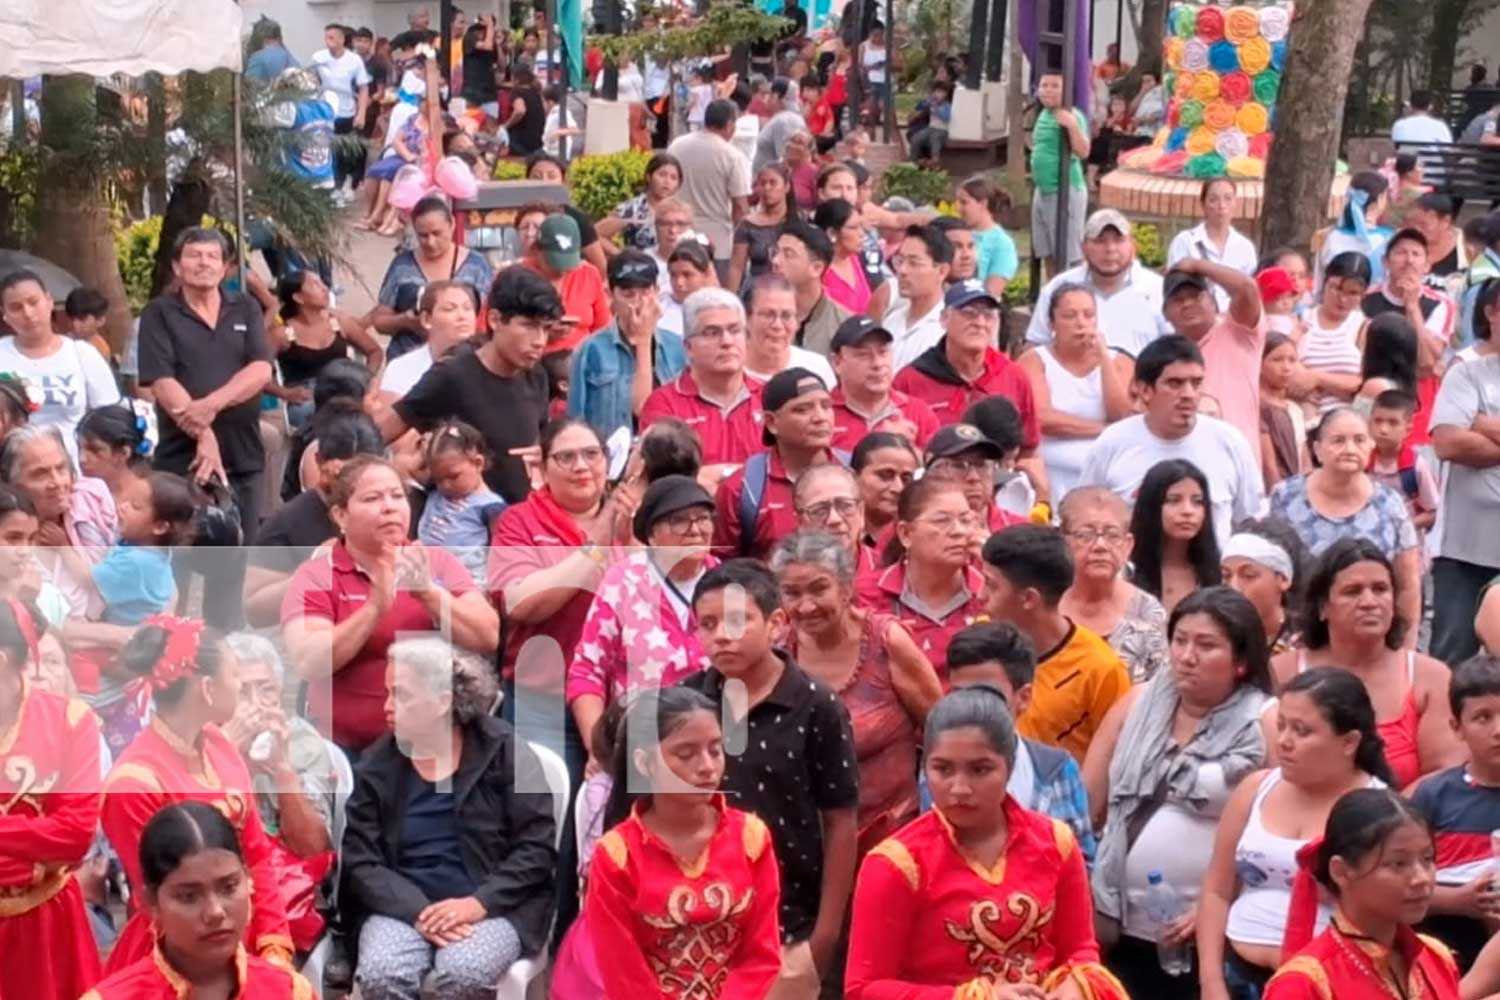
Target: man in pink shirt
(1231, 341)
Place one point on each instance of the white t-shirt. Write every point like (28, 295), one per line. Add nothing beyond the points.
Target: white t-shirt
(343, 76)
(65, 385)
(913, 337)
(1239, 253)
(873, 58)
(803, 358)
(1421, 128)
(1130, 318)
(1121, 456)
(403, 373)
(746, 134)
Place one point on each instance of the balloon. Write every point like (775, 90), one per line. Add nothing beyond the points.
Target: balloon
(455, 179)
(409, 187)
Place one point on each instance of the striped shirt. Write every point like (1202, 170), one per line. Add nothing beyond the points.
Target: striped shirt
(1334, 351)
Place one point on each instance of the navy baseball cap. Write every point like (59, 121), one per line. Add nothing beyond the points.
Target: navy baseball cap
(963, 293)
(853, 331)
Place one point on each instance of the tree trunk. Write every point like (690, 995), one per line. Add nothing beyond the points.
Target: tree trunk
(156, 137)
(1442, 42)
(1309, 115)
(1149, 39)
(73, 217)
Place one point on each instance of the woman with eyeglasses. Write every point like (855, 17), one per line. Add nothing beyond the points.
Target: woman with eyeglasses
(870, 661)
(884, 464)
(640, 632)
(827, 498)
(1096, 523)
(929, 581)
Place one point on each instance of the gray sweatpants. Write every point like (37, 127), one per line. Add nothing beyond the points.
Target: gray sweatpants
(394, 959)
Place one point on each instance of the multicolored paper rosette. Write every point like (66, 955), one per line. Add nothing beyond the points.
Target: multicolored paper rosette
(1184, 22)
(1199, 141)
(1255, 55)
(1266, 86)
(1174, 112)
(1192, 114)
(1252, 119)
(1210, 24)
(1205, 165)
(1260, 145)
(1223, 57)
(1246, 166)
(1274, 23)
(1278, 55)
(1171, 51)
(1241, 24)
(1176, 140)
(1232, 143)
(1205, 86)
(1195, 55)
(1218, 115)
(1184, 86)
(1172, 163)
(1235, 88)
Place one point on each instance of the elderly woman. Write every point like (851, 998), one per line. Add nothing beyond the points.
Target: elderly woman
(979, 898)
(65, 379)
(630, 642)
(448, 866)
(870, 661)
(1096, 523)
(1264, 560)
(437, 258)
(349, 602)
(1354, 621)
(1340, 499)
(827, 498)
(1162, 767)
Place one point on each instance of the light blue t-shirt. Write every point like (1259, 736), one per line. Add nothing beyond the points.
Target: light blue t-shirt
(134, 581)
(997, 254)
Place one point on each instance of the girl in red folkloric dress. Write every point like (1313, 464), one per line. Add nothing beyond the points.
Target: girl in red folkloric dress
(198, 893)
(182, 756)
(979, 899)
(49, 810)
(1377, 858)
(683, 892)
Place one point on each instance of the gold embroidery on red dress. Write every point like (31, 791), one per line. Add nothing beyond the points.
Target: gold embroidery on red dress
(1012, 958)
(25, 786)
(699, 944)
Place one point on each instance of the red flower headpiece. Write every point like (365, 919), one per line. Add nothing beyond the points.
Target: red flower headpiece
(180, 658)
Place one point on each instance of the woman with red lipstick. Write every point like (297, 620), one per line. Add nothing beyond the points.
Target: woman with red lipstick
(979, 899)
(192, 679)
(350, 600)
(198, 893)
(1377, 859)
(683, 891)
(50, 742)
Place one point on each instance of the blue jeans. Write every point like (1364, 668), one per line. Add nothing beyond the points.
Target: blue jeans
(1245, 981)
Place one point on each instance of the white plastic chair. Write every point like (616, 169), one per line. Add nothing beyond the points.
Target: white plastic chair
(317, 959)
(519, 977)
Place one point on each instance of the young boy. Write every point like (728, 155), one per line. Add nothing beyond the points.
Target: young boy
(1462, 805)
(927, 144)
(797, 769)
(1044, 779)
(1396, 463)
(818, 113)
(86, 309)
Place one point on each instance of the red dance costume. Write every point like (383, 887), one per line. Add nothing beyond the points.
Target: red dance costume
(929, 921)
(153, 978)
(701, 931)
(49, 810)
(1343, 963)
(160, 769)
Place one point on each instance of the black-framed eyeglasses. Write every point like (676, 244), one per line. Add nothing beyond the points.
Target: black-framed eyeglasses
(819, 513)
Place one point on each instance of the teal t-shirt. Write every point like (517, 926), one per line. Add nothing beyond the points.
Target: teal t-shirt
(997, 254)
(1047, 140)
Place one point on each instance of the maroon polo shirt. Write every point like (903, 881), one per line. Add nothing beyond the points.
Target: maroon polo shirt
(727, 435)
(776, 518)
(884, 590)
(851, 427)
(933, 380)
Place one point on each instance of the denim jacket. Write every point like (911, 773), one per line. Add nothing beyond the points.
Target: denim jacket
(603, 368)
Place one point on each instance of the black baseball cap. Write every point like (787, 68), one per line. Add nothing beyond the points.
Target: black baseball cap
(955, 439)
(853, 331)
(632, 269)
(783, 388)
(1176, 281)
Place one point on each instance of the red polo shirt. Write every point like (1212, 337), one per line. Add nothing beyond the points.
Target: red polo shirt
(776, 518)
(851, 427)
(731, 435)
(330, 586)
(933, 380)
(931, 628)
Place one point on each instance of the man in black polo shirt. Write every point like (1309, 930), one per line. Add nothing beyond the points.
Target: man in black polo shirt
(203, 353)
(798, 771)
(499, 387)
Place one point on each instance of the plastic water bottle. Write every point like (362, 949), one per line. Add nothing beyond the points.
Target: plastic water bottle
(1164, 906)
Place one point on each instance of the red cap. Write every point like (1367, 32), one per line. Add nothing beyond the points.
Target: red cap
(1275, 282)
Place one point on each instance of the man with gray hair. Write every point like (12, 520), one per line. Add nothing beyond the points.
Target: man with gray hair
(419, 19)
(291, 765)
(714, 396)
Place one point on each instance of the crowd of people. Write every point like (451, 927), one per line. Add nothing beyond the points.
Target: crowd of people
(716, 603)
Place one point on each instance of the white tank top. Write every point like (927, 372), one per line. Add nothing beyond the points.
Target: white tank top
(1333, 350)
(1080, 396)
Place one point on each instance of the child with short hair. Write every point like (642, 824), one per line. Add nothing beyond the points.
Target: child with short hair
(557, 365)
(87, 310)
(460, 508)
(1396, 463)
(1462, 805)
(937, 106)
(700, 96)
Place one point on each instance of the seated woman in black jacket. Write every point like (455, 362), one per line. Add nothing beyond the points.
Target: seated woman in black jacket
(448, 865)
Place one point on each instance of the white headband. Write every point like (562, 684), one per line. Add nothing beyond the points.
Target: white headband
(1261, 550)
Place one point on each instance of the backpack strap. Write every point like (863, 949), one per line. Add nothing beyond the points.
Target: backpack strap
(752, 491)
